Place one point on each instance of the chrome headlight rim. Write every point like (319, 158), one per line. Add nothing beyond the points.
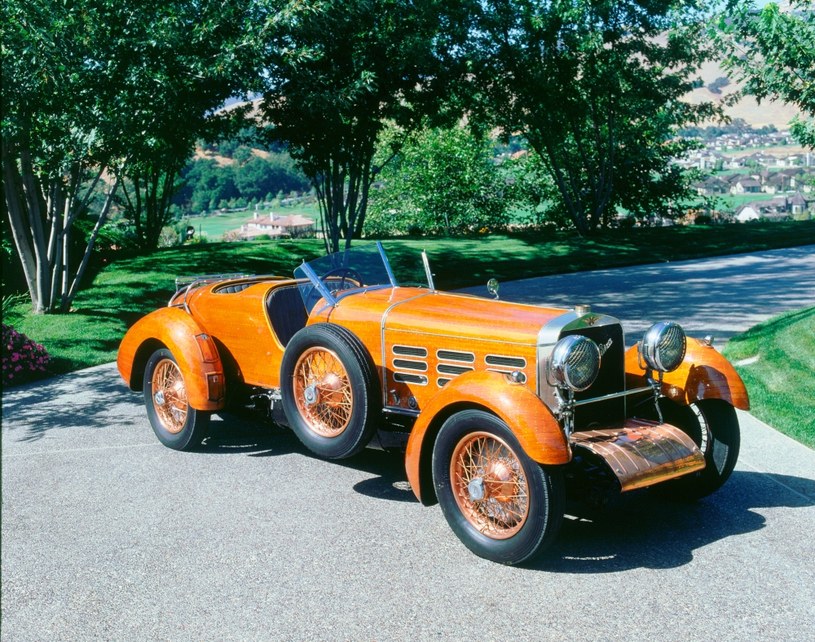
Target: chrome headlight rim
(575, 363)
(663, 346)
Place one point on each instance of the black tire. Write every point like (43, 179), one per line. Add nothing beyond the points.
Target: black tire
(714, 427)
(176, 424)
(506, 528)
(329, 390)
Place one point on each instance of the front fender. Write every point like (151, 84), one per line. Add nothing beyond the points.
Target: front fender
(704, 374)
(193, 349)
(528, 418)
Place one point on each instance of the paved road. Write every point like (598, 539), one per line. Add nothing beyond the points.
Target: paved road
(108, 535)
(721, 296)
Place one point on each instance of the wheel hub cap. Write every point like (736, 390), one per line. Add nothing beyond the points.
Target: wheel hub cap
(159, 398)
(476, 489)
(310, 394)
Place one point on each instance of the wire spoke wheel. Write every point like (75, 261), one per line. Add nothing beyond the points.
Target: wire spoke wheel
(177, 424)
(489, 485)
(501, 504)
(170, 396)
(322, 391)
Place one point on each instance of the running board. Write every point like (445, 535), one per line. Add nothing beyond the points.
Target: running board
(642, 453)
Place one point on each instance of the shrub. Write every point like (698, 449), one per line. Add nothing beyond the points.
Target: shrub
(23, 360)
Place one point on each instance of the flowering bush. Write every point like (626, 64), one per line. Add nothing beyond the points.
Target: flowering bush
(23, 359)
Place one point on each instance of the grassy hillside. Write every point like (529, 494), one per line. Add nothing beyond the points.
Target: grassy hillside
(758, 115)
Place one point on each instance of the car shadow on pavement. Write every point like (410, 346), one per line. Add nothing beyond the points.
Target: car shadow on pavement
(643, 530)
(247, 433)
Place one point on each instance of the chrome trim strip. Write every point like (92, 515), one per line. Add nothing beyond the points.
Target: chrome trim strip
(342, 294)
(614, 395)
(470, 356)
(409, 351)
(518, 363)
(410, 364)
(449, 369)
(409, 377)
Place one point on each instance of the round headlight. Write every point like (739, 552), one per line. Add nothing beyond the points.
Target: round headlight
(575, 362)
(663, 346)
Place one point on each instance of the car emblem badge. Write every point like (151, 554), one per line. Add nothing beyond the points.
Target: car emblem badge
(591, 319)
(605, 346)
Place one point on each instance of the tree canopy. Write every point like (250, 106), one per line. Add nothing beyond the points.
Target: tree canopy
(595, 87)
(335, 72)
(95, 91)
(773, 52)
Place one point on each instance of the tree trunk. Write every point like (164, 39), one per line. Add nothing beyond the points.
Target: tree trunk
(46, 261)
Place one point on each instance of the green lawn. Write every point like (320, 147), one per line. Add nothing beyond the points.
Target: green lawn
(128, 288)
(734, 201)
(776, 359)
(214, 226)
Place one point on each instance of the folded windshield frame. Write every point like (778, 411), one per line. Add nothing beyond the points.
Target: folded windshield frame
(331, 277)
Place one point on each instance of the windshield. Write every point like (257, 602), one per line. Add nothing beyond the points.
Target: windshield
(327, 277)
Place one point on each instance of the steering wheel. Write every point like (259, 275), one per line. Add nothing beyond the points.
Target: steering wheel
(348, 279)
(346, 275)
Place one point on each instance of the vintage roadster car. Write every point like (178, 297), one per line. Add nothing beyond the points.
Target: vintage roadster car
(499, 407)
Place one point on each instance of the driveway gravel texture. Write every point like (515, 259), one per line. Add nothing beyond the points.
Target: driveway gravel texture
(107, 535)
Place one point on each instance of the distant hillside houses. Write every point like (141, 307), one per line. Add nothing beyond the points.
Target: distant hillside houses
(762, 181)
(779, 208)
(276, 226)
(706, 159)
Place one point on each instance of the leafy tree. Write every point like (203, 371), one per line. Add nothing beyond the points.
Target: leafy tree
(260, 176)
(442, 181)
(205, 183)
(595, 87)
(336, 71)
(96, 92)
(773, 52)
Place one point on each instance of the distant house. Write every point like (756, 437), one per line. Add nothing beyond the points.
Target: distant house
(711, 185)
(747, 213)
(776, 183)
(746, 186)
(276, 226)
(798, 204)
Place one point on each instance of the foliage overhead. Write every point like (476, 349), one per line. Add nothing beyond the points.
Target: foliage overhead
(773, 52)
(97, 94)
(442, 181)
(336, 71)
(595, 87)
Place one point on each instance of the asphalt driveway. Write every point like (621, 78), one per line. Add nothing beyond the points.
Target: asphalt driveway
(108, 535)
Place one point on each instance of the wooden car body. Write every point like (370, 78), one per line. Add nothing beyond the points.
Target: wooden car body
(431, 355)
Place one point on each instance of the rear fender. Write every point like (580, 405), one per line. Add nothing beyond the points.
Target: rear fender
(194, 351)
(528, 418)
(704, 374)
